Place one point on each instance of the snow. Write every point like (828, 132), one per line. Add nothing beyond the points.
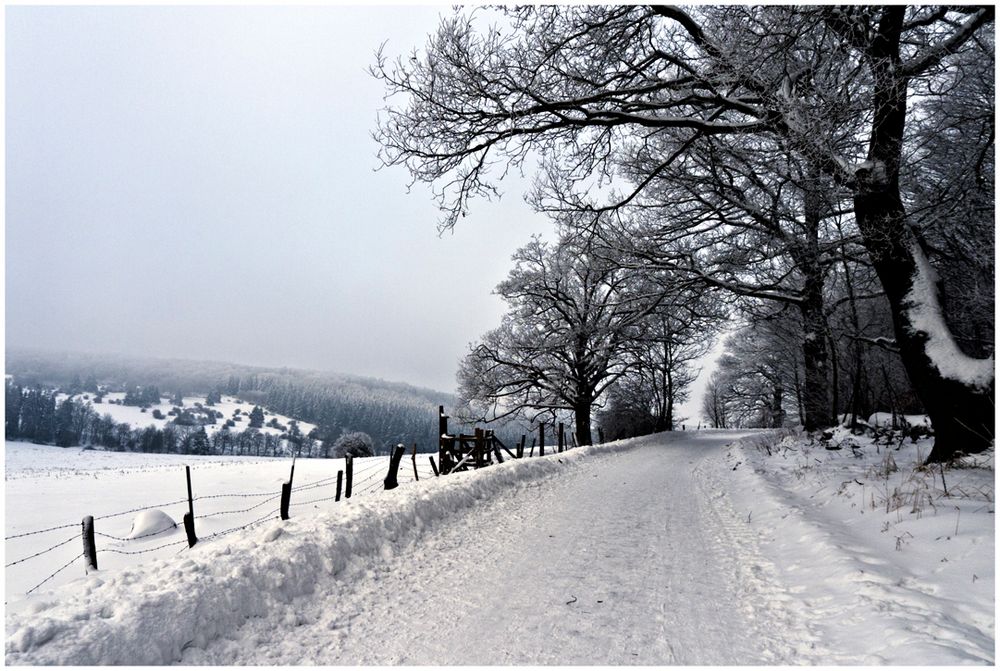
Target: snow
(134, 415)
(683, 548)
(151, 523)
(49, 486)
(886, 419)
(885, 567)
(926, 317)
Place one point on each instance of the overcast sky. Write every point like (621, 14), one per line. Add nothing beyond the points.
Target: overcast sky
(198, 183)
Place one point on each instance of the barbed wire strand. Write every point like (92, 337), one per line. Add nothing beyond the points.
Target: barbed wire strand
(57, 572)
(142, 552)
(40, 531)
(303, 503)
(244, 510)
(244, 526)
(136, 510)
(119, 538)
(246, 495)
(361, 484)
(40, 553)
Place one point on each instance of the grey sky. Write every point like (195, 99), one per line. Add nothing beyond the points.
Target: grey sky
(197, 182)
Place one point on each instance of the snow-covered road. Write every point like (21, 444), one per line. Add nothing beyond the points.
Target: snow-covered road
(629, 558)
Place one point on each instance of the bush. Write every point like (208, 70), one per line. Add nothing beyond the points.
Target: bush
(157, 414)
(353, 444)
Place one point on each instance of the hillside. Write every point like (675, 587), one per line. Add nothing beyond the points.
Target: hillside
(389, 412)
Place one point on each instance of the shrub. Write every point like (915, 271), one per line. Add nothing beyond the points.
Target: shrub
(353, 444)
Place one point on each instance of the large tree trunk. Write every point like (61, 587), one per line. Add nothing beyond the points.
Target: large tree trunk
(816, 401)
(955, 390)
(582, 415)
(777, 411)
(669, 391)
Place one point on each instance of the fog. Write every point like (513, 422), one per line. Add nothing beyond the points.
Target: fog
(199, 183)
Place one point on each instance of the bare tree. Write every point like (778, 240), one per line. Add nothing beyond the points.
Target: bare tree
(563, 341)
(664, 351)
(755, 378)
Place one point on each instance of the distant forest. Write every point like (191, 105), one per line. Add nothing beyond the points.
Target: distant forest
(389, 412)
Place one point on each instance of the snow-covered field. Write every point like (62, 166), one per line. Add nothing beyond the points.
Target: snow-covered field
(684, 548)
(50, 487)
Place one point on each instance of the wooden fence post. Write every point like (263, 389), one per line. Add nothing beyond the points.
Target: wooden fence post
(573, 436)
(532, 447)
(350, 476)
(416, 475)
(561, 437)
(520, 448)
(435, 467)
(286, 492)
(541, 440)
(442, 432)
(600, 434)
(340, 482)
(496, 448)
(397, 456)
(189, 515)
(89, 546)
(477, 448)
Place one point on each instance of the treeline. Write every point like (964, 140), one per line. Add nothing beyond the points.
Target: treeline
(388, 416)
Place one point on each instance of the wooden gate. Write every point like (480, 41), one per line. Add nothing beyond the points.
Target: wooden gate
(462, 452)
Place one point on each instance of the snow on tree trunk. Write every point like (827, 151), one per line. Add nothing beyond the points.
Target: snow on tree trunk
(926, 316)
(956, 390)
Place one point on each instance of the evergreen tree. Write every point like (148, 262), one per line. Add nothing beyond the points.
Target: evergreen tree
(13, 401)
(197, 442)
(63, 431)
(256, 417)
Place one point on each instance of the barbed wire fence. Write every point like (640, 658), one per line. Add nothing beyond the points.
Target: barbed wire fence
(345, 484)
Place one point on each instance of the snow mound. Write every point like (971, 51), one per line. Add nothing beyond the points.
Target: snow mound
(151, 523)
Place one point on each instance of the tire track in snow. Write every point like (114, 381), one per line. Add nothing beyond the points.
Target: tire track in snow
(628, 558)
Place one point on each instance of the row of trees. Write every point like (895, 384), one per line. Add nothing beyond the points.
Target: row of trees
(583, 325)
(828, 168)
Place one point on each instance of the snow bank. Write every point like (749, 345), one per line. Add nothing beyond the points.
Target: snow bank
(149, 614)
(887, 568)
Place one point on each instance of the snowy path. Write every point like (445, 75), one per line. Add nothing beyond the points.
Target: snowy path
(630, 558)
